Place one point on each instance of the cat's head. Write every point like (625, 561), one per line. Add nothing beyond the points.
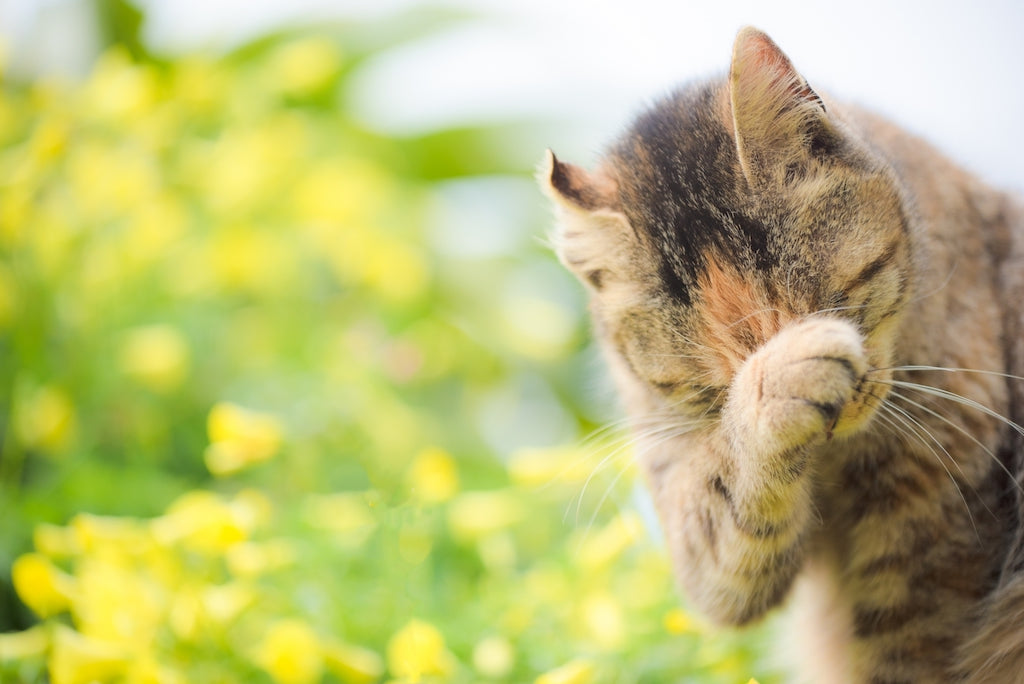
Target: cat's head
(729, 211)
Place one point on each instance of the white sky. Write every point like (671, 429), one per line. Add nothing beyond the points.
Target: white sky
(948, 72)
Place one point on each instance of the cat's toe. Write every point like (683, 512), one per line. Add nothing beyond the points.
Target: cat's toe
(798, 387)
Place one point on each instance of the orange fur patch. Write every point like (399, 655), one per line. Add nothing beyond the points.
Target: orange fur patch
(738, 317)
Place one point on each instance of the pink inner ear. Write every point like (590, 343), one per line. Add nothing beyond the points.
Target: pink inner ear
(762, 56)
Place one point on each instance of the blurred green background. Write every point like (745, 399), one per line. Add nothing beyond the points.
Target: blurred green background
(285, 399)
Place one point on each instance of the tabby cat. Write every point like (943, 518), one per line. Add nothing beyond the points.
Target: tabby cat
(814, 321)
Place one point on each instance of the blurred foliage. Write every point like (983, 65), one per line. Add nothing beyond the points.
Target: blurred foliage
(281, 398)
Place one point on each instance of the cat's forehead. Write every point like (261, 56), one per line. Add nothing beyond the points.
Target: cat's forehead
(679, 184)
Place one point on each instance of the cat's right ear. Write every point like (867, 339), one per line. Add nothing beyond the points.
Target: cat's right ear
(777, 117)
(592, 237)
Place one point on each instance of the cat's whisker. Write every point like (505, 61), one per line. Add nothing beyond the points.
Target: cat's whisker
(960, 429)
(604, 497)
(921, 429)
(954, 397)
(642, 442)
(654, 426)
(954, 425)
(622, 449)
(930, 434)
(945, 369)
(605, 437)
(914, 426)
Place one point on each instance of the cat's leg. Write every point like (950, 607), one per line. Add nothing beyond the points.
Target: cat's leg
(737, 550)
(737, 499)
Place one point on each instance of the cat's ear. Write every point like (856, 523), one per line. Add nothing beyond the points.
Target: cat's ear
(593, 238)
(777, 117)
(577, 189)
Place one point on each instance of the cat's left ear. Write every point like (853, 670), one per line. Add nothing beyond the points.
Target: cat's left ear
(777, 117)
(593, 238)
(577, 189)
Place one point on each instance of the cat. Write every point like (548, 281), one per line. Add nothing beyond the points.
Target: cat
(814, 320)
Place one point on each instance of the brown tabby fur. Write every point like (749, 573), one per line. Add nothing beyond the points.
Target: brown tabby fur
(768, 271)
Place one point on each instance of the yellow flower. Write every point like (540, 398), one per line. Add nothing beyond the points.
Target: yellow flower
(251, 508)
(352, 664)
(155, 228)
(76, 659)
(600, 548)
(15, 212)
(240, 438)
(31, 643)
(41, 585)
(155, 355)
(573, 672)
(543, 467)
(199, 84)
(146, 670)
(49, 141)
(116, 603)
(290, 653)
(305, 65)
(472, 515)
(418, 650)
(118, 90)
(109, 534)
(249, 559)
(109, 180)
(433, 476)
(339, 195)
(347, 515)
(186, 613)
(56, 541)
(603, 620)
(493, 657)
(45, 419)
(678, 622)
(246, 259)
(222, 603)
(248, 165)
(201, 521)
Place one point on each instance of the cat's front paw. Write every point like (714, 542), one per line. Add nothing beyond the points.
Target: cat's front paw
(797, 388)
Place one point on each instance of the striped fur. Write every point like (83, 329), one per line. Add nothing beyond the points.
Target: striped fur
(784, 288)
